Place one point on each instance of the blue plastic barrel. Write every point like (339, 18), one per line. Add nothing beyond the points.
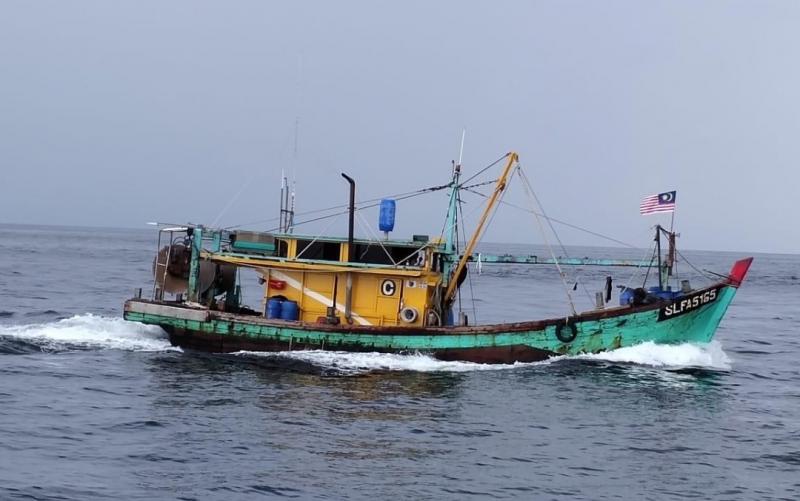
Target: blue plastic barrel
(661, 293)
(386, 218)
(290, 310)
(274, 308)
(626, 296)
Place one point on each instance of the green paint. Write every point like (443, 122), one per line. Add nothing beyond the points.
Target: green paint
(593, 336)
(194, 269)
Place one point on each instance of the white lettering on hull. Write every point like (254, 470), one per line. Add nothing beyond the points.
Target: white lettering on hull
(688, 303)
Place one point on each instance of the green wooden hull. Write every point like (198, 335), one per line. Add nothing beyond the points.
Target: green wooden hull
(690, 319)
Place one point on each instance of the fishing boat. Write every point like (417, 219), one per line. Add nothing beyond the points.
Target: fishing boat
(399, 296)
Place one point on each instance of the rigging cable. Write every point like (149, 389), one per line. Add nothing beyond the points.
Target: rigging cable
(375, 237)
(649, 266)
(558, 221)
(315, 239)
(486, 168)
(638, 269)
(550, 248)
(469, 275)
(398, 196)
(706, 274)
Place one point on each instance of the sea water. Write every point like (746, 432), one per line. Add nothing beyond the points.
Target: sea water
(93, 407)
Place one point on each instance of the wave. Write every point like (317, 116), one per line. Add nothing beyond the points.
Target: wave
(89, 331)
(672, 357)
(344, 362)
(681, 356)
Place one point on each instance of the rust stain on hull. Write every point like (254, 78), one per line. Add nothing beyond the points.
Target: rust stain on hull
(229, 343)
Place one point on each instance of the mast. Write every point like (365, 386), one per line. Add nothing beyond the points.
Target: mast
(452, 220)
(476, 235)
(451, 225)
(658, 250)
(282, 213)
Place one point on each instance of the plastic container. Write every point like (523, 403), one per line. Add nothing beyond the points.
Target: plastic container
(290, 310)
(663, 294)
(626, 296)
(274, 308)
(386, 217)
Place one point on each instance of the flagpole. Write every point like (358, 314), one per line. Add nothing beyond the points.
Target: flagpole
(674, 208)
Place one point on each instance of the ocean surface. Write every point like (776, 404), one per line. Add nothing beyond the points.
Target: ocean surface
(93, 407)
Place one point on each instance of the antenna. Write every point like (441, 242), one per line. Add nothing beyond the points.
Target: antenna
(287, 210)
(296, 134)
(290, 193)
(461, 151)
(290, 223)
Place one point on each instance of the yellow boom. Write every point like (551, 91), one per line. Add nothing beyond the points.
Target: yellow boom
(476, 235)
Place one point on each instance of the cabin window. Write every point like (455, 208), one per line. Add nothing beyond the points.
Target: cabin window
(282, 248)
(318, 251)
(375, 254)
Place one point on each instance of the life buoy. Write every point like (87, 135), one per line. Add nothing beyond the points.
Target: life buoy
(568, 336)
(409, 315)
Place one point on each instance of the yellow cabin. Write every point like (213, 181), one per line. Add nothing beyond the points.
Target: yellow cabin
(383, 283)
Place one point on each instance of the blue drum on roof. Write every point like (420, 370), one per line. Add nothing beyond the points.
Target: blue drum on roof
(274, 307)
(290, 310)
(386, 218)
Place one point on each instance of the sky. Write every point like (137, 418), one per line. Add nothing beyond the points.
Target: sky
(119, 113)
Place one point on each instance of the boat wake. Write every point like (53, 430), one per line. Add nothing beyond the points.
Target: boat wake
(93, 332)
(675, 357)
(349, 363)
(667, 357)
(83, 332)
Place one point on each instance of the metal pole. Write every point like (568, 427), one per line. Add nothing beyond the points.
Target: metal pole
(352, 216)
(348, 300)
(658, 249)
(155, 270)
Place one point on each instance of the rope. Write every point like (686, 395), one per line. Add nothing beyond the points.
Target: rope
(639, 266)
(447, 228)
(233, 199)
(528, 190)
(558, 239)
(649, 267)
(558, 221)
(415, 253)
(486, 168)
(469, 275)
(376, 239)
(314, 240)
(707, 274)
(398, 196)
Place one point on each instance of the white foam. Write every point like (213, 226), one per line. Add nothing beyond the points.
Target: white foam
(92, 331)
(687, 355)
(349, 362)
(710, 356)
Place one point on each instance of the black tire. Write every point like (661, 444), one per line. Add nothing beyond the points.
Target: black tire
(639, 296)
(566, 332)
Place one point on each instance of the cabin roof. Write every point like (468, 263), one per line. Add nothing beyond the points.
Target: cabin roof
(415, 244)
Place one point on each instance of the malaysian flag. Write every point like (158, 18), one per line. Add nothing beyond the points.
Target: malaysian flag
(654, 204)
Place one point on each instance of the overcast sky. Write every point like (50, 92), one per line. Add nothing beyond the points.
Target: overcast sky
(118, 113)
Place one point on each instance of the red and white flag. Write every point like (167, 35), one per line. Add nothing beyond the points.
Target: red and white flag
(655, 204)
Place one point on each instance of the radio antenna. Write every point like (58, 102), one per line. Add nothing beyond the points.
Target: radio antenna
(461, 151)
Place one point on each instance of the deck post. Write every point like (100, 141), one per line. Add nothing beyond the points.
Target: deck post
(194, 264)
(348, 298)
